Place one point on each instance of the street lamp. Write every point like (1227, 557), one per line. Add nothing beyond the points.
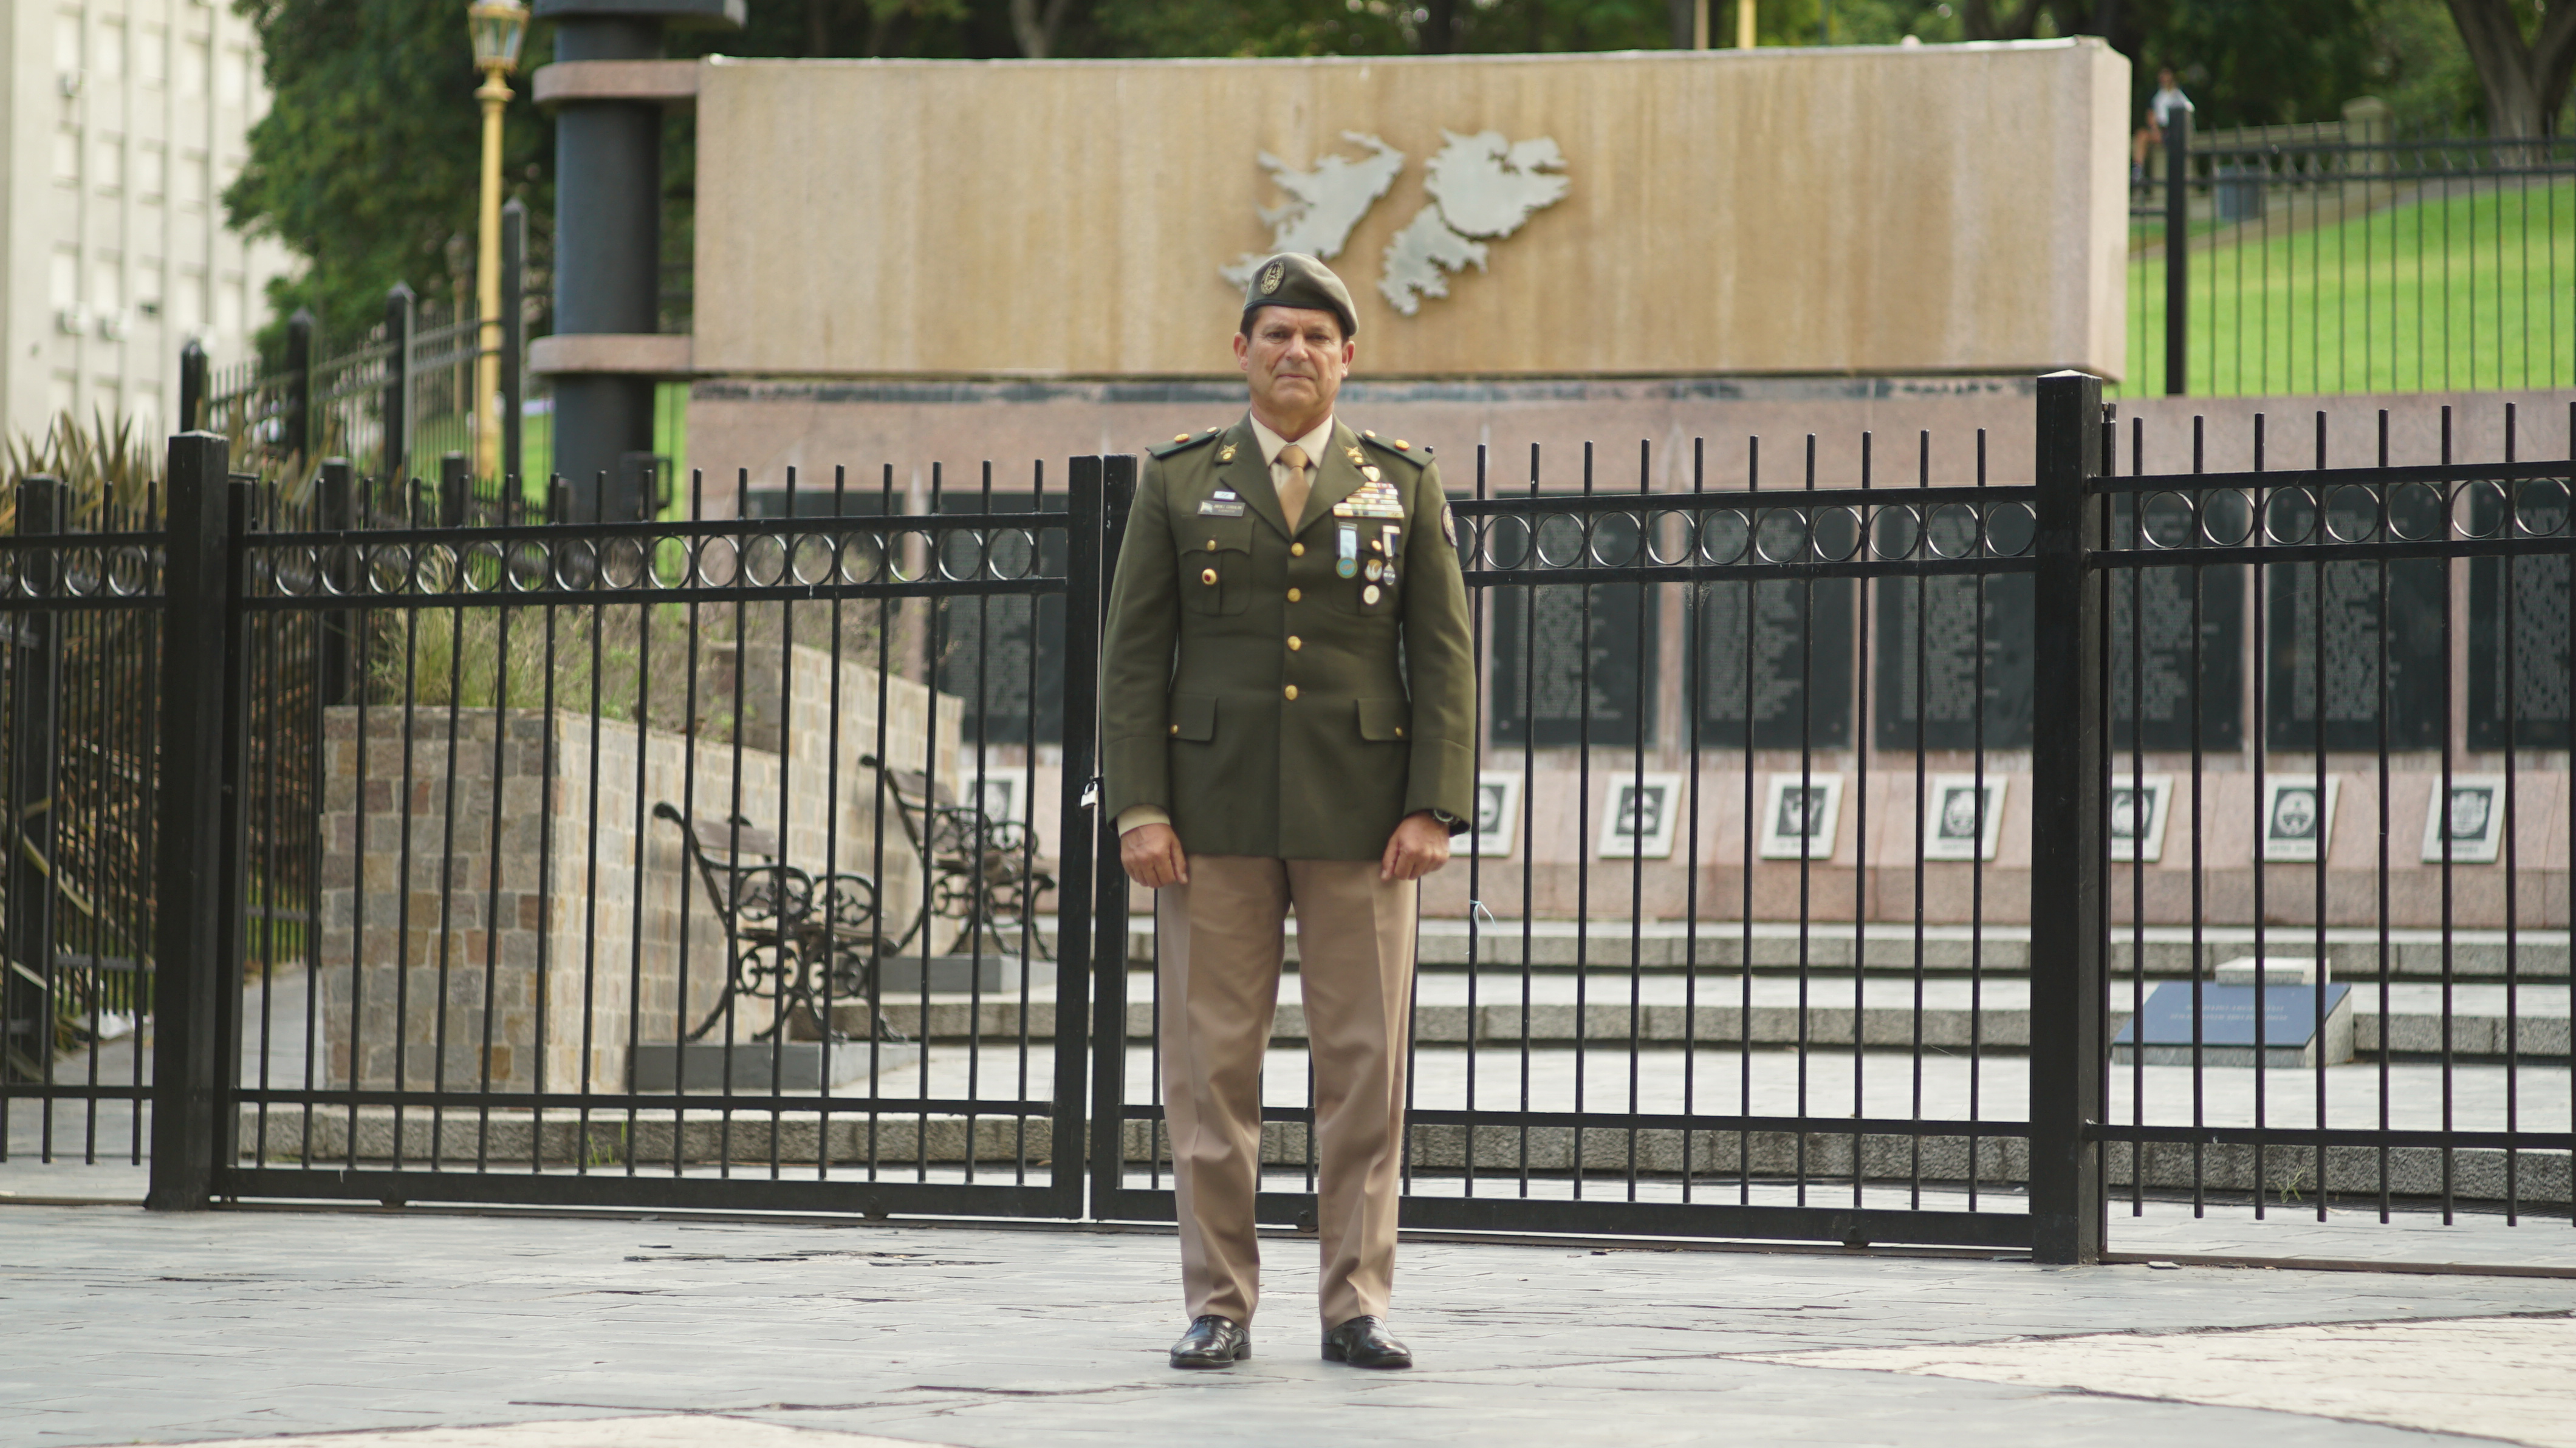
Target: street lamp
(498, 27)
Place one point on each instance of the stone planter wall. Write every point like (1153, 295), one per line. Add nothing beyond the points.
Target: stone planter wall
(500, 909)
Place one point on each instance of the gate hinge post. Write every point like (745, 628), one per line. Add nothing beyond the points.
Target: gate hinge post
(192, 1017)
(2067, 931)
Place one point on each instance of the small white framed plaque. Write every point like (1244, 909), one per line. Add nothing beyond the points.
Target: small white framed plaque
(1955, 829)
(1498, 814)
(1638, 820)
(2297, 819)
(1000, 798)
(2476, 820)
(2140, 804)
(1799, 818)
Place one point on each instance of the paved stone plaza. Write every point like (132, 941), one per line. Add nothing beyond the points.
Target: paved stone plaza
(644, 1333)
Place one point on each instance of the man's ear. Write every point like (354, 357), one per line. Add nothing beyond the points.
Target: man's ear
(1242, 352)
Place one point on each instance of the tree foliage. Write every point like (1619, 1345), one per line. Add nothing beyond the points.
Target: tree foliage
(365, 164)
(2525, 52)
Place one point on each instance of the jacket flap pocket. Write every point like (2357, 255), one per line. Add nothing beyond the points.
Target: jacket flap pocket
(1194, 717)
(1384, 718)
(1214, 535)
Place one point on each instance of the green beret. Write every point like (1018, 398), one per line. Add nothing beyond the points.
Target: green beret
(1294, 279)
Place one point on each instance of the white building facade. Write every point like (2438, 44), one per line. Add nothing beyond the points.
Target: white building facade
(125, 120)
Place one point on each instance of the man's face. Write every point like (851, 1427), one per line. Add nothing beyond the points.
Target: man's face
(2165, 78)
(1295, 359)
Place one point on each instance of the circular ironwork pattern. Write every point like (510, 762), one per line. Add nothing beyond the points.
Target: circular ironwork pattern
(525, 565)
(1574, 542)
(2345, 513)
(2541, 508)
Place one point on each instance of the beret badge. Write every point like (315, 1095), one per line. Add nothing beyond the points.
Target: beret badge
(1271, 276)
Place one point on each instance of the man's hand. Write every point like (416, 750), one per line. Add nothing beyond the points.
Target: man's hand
(1152, 855)
(1419, 846)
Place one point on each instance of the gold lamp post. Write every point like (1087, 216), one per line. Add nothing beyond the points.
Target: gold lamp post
(498, 27)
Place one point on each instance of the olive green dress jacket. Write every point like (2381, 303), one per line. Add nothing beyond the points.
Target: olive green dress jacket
(1291, 697)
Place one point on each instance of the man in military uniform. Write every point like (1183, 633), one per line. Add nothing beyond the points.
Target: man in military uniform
(1288, 701)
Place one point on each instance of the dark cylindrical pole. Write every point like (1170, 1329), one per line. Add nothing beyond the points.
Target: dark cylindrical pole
(2177, 251)
(195, 1004)
(397, 407)
(2067, 1200)
(455, 487)
(608, 253)
(1113, 481)
(298, 441)
(33, 696)
(514, 334)
(192, 386)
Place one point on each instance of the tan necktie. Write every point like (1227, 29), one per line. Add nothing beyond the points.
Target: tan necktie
(1290, 480)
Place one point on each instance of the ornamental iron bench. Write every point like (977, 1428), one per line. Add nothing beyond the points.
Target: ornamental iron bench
(807, 942)
(983, 872)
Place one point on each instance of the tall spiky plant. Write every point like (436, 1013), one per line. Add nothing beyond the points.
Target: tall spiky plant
(110, 466)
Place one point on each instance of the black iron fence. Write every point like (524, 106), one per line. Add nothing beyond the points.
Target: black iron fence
(83, 613)
(400, 397)
(1910, 857)
(2342, 258)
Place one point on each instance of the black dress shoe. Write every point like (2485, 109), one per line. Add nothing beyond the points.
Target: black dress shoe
(1212, 1342)
(1363, 1343)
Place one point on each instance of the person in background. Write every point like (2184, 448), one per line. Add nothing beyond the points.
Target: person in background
(2160, 113)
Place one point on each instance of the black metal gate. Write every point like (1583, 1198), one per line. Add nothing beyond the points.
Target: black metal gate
(639, 863)
(1731, 1071)
(1819, 888)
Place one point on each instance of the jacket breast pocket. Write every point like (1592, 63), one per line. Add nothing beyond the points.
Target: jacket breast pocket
(1216, 565)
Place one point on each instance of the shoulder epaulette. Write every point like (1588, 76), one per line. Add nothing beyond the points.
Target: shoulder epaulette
(1184, 441)
(1411, 452)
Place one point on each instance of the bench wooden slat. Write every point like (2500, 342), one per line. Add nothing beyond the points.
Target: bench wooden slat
(719, 838)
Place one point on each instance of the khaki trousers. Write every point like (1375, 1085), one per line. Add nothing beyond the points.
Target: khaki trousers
(1221, 941)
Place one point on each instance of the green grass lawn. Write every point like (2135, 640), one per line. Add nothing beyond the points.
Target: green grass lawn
(670, 440)
(2472, 291)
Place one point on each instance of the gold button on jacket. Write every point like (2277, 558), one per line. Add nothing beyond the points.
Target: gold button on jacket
(1196, 709)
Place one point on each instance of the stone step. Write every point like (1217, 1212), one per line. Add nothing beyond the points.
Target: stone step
(2354, 953)
(1000, 1145)
(1665, 1017)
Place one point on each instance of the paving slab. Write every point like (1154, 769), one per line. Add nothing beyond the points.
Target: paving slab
(663, 1332)
(2505, 1377)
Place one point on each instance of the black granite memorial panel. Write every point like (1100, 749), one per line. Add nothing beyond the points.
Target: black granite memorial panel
(1573, 663)
(1972, 683)
(2533, 619)
(2324, 628)
(2152, 662)
(989, 653)
(1004, 655)
(1766, 672)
